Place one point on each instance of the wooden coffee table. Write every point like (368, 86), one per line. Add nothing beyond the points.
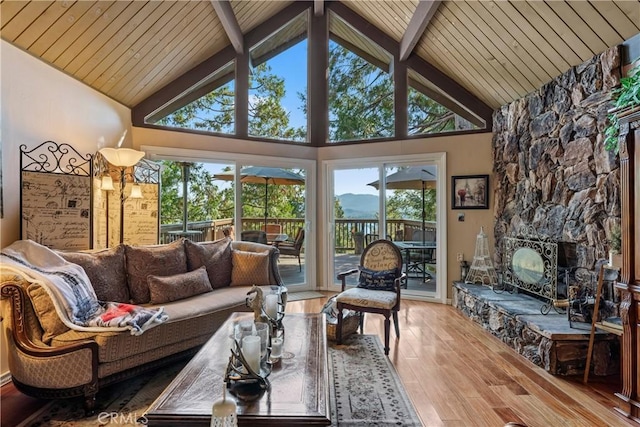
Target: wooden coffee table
(299, 382)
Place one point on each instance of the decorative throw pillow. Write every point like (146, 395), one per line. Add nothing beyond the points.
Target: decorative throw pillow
(250, 268)
(382, 280)
(215, 256)
(106, 271)
(159, 260)
(50, 322)
(179, 286)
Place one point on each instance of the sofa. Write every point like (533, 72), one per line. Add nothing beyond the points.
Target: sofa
(198, 285)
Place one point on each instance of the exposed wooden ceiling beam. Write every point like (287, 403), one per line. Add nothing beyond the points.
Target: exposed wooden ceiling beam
(419, 21)
(229, 23)
(318, 7)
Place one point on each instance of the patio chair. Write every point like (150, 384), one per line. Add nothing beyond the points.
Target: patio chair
(292, 248)
(257, 236)
(378, 288)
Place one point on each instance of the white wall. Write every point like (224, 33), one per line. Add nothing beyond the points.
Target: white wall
(39, 103)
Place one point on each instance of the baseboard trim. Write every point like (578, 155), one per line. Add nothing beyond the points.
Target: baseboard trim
(5, 378)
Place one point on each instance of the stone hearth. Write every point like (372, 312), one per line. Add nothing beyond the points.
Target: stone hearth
(546, 340)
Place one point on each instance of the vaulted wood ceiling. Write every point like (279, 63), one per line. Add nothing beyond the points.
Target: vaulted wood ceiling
(497, 50)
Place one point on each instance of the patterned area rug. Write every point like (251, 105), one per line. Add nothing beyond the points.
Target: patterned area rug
(366, 391)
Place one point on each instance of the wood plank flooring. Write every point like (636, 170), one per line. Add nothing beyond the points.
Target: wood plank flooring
(456, 374)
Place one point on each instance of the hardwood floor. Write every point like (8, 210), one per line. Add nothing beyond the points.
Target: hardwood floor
(457, 374)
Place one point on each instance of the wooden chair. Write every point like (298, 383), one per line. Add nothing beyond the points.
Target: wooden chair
(378, 290)
(272, 231)
(292, 248)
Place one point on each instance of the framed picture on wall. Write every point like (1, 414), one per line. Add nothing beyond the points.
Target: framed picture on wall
(470, 192)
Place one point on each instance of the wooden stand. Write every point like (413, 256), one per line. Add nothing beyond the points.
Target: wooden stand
(597, 325)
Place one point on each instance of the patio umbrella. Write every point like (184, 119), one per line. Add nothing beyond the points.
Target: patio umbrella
(266, 176)
(412, 178)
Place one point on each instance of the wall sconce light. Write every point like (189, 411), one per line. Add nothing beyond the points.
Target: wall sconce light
(106, 183)
(136, 192)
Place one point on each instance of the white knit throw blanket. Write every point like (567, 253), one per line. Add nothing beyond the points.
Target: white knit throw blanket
(72, 294)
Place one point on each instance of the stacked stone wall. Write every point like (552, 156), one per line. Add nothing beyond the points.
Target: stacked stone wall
(551, 169)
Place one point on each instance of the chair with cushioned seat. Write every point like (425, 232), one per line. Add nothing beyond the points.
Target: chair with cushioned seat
(292, 248)
(378, 288)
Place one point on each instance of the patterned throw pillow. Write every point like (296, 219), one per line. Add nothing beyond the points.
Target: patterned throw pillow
(250, 268)
(106, 271)
(382, 280)
(159, 260)
(215, 256)
(50, 322)
(179, 286)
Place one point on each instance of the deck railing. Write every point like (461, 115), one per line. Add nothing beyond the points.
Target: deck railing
(351, 235)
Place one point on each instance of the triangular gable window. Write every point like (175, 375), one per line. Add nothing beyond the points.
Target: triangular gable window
(208, 106)
(428, 116)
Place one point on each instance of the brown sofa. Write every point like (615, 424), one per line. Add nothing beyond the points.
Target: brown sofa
(49, 360)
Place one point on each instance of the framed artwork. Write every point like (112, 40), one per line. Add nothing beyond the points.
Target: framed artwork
(470, 192)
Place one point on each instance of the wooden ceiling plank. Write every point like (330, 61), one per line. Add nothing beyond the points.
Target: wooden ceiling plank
(439, 51)
(630, 9)
(578, 26)
(118, 27)
(510, 40)
(172, 68)
(547, 32)
(486, 49)
(75, 47)
(229, 23)
(9, 9)
(418, 23)
(123, 64)
(42, 23)
(464, 49)
(257, 12)
(523, 40)
(78, 27)
(619, 21)
(596, 22)
(498, 48)
(14, 28)
(456, 70)
(141, 87)
(384, 66)
(171, 42)
(117, 54)
(61, 26)
(398, 13)
(535, 36)
(561, 28)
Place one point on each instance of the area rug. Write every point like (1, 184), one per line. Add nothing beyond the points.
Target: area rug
(299, 296)
(365, 390)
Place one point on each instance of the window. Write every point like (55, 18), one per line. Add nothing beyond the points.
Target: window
(209, 106)
(278, 84)
(361, 88)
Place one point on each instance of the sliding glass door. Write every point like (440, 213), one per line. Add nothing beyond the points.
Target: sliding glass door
(396, 199)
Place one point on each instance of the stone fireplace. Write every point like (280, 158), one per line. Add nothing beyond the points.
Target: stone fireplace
(553, 174)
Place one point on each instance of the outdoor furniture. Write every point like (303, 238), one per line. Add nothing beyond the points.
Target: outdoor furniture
(378, 288)
(257, 236)
(421, 253)
(273, 231)
(292, 248)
